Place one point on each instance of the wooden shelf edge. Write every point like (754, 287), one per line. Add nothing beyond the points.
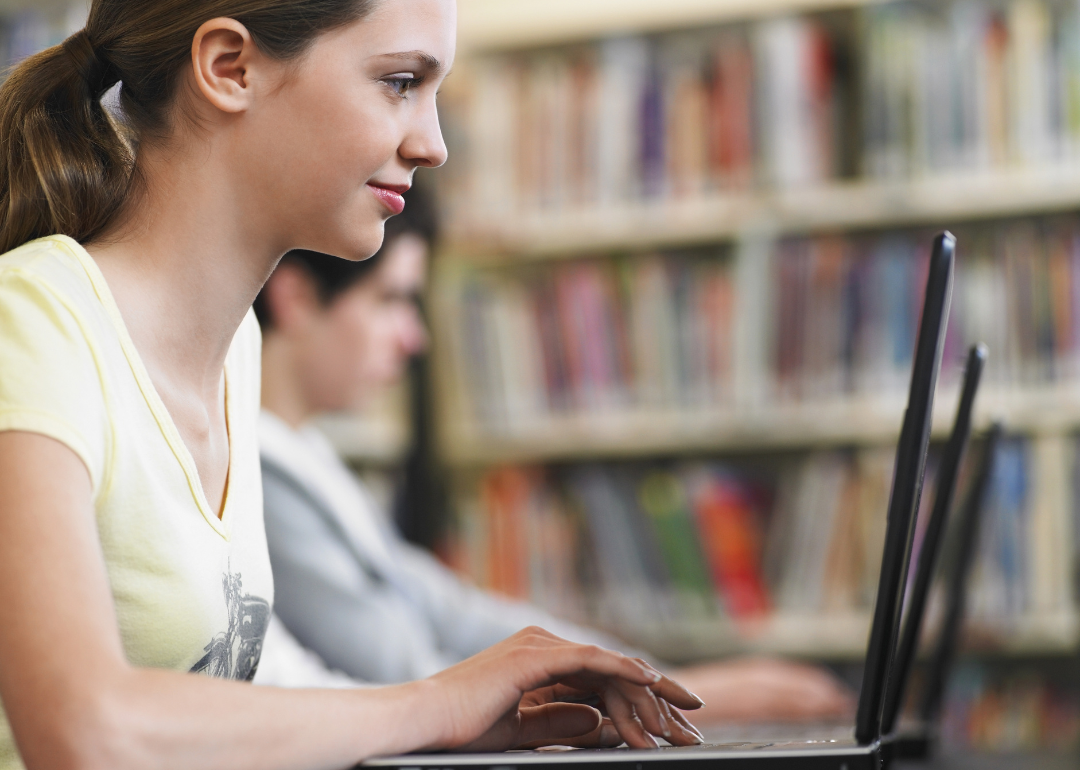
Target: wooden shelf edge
(1044, 410)
(501, 25)
(844, 636)
(943, 200)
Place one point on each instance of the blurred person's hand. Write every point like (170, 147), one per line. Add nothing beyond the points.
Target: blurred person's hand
(766, 690)
(533, 689)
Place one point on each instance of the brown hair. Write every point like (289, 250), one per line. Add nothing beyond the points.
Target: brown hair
(66, 168)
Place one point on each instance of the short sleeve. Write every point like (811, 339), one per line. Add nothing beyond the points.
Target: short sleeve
(50, 380)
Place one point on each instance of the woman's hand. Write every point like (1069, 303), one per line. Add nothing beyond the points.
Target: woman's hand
(534, 689)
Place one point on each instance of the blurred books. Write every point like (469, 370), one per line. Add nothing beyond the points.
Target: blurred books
(991, 710)
(818, 320)
(674, 116)
(702, 556)
(903, 90)
(971, 85)
(654, 331)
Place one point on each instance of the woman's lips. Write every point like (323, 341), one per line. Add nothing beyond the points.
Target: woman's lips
(390, 198)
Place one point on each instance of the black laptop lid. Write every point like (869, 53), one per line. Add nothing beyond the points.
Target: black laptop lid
(906, 489)
(951, 460)
(968, 532)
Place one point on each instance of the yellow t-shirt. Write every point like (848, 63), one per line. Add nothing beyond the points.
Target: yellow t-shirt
(192, 592)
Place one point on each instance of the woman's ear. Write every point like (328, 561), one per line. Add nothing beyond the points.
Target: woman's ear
(291, 298)
(222, 54)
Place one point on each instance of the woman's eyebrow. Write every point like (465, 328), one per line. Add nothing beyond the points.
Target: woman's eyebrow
(430, 64)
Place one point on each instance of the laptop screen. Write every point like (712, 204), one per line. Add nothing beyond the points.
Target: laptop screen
(906, 489)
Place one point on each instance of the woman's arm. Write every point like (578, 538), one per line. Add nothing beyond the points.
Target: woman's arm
(73, 701)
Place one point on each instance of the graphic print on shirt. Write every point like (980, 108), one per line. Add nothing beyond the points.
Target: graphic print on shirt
(235, 653)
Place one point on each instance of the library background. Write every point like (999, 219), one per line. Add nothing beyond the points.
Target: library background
(674, 309)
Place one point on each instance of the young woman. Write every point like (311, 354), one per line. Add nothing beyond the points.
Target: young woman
(131, 543)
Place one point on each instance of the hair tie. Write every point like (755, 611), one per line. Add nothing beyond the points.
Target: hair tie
(99, 74)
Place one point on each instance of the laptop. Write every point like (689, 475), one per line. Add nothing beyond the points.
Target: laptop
(951, 461)
(864, 752)
(916, 741)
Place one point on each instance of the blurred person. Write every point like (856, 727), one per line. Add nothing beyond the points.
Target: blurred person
(348, 586)
(135, 582)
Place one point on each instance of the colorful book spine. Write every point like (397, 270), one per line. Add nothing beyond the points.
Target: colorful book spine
(728, 526)
(662, 497)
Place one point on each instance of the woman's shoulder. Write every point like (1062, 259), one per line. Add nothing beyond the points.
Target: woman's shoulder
(56, 263)
(51, 349)
(44, 253)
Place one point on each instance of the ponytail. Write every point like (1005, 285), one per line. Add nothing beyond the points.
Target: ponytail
(66, 168)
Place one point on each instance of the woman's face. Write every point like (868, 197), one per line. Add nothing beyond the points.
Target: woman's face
(333, 149)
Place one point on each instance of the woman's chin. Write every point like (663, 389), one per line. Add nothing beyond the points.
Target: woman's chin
(357, 245)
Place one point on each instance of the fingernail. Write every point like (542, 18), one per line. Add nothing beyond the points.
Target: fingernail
(692, 731)
(665, 728)
(652, 741)
(700, 702)
(654, 675)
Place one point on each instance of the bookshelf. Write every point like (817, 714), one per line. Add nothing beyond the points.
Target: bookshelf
(538, 198)
(1052, 410)
(849, 205)
(496, 25)
(842, 637)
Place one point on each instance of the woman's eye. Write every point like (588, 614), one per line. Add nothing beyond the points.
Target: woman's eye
(402, 83)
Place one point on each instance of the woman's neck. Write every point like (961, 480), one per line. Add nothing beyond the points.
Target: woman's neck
(186, 263)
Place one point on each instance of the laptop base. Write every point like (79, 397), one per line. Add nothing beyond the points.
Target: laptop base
(910, 747)
(826, 755)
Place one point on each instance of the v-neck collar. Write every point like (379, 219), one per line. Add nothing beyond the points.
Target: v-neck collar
(161, 414)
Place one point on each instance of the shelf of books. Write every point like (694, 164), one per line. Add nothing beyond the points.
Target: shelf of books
(702, 557)
(786, 343)
(675, 313)
(904, 113)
